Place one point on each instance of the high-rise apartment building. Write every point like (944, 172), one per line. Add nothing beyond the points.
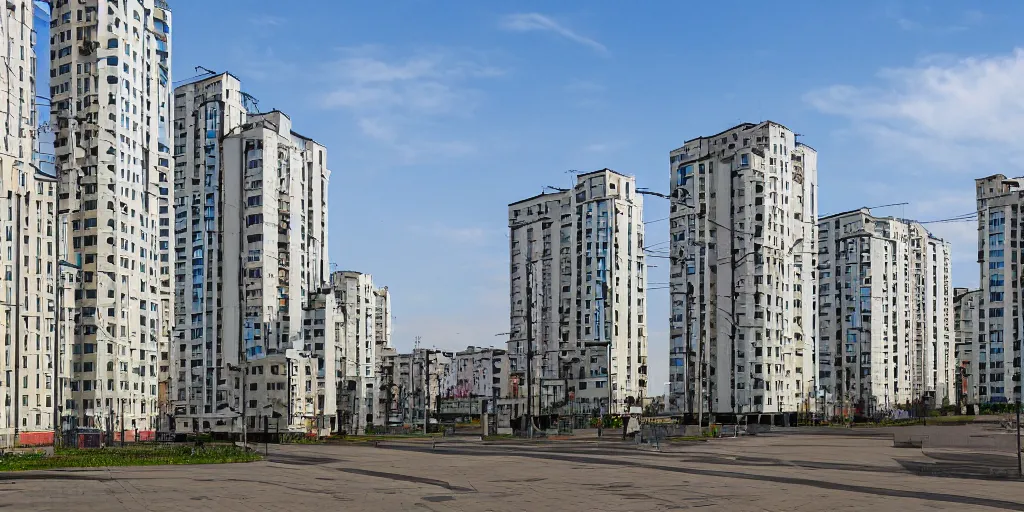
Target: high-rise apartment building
(885, 315)
(743, 254)
(34, 363)
(966, 322)
(250, 249)
(363, 327)
(1000, 233)
(346, 330)
(578, 295)
(110, 90)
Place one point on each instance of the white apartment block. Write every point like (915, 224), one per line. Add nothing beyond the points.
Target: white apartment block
(967, 358)
(37, 353)
(478, 373)
(743, 255)
(349, 349)
(382, 343)
(110, 89)
(885, 316)
(34, 284)
(578, 294)
(249, 251)
(414, 382)
(1000, 209)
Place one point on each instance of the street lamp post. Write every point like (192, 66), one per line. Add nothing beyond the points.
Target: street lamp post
(1020, 465)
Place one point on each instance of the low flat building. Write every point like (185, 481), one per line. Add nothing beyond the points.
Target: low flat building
(415, 383)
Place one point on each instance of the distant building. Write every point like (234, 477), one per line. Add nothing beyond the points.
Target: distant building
(415, 383)
(886, 316)
(363, 330)
(1000, 236)
(743, 224)
(250, 250)
(578, 293)
(478, 373)
(966, 325)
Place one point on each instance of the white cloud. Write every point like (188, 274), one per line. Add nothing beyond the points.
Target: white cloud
(922, 19)
(377, 128)
(954, 114)
(530, 22)
(400, 102)
(426, 84)
(266, 20)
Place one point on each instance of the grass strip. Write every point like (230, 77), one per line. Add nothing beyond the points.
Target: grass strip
(133, 456)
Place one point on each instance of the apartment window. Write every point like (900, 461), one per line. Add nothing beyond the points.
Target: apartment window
(995, 280)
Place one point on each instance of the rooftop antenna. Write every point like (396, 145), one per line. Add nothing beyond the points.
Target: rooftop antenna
(205, 70)
(572, 180)
(416, 344)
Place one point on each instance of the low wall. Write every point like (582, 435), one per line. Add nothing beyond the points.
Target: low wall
(44, 438)
(967, 437)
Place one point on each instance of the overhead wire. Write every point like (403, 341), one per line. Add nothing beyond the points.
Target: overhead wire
(966, 217)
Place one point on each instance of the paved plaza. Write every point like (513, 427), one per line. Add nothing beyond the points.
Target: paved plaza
(776, 472)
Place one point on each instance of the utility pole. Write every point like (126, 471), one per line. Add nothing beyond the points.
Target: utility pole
(732, 295)
(245, 420)
(122, 421)
(689, 336)
(426, 390)
(700, 382)
(17, 314)
(529, 347)
(1020, 465)
(58, 386)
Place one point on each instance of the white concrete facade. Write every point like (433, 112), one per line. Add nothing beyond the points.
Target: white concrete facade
(28, 254)
(205, 260)
(1000, 227)
(966, 325)
(884, 295)
(363, 330)
(478, 373)
(250, 251)
(578, 291)
(743, 254)
(416, 381)
(111, 106)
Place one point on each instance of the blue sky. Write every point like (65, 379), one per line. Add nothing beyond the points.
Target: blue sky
(436, 115)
